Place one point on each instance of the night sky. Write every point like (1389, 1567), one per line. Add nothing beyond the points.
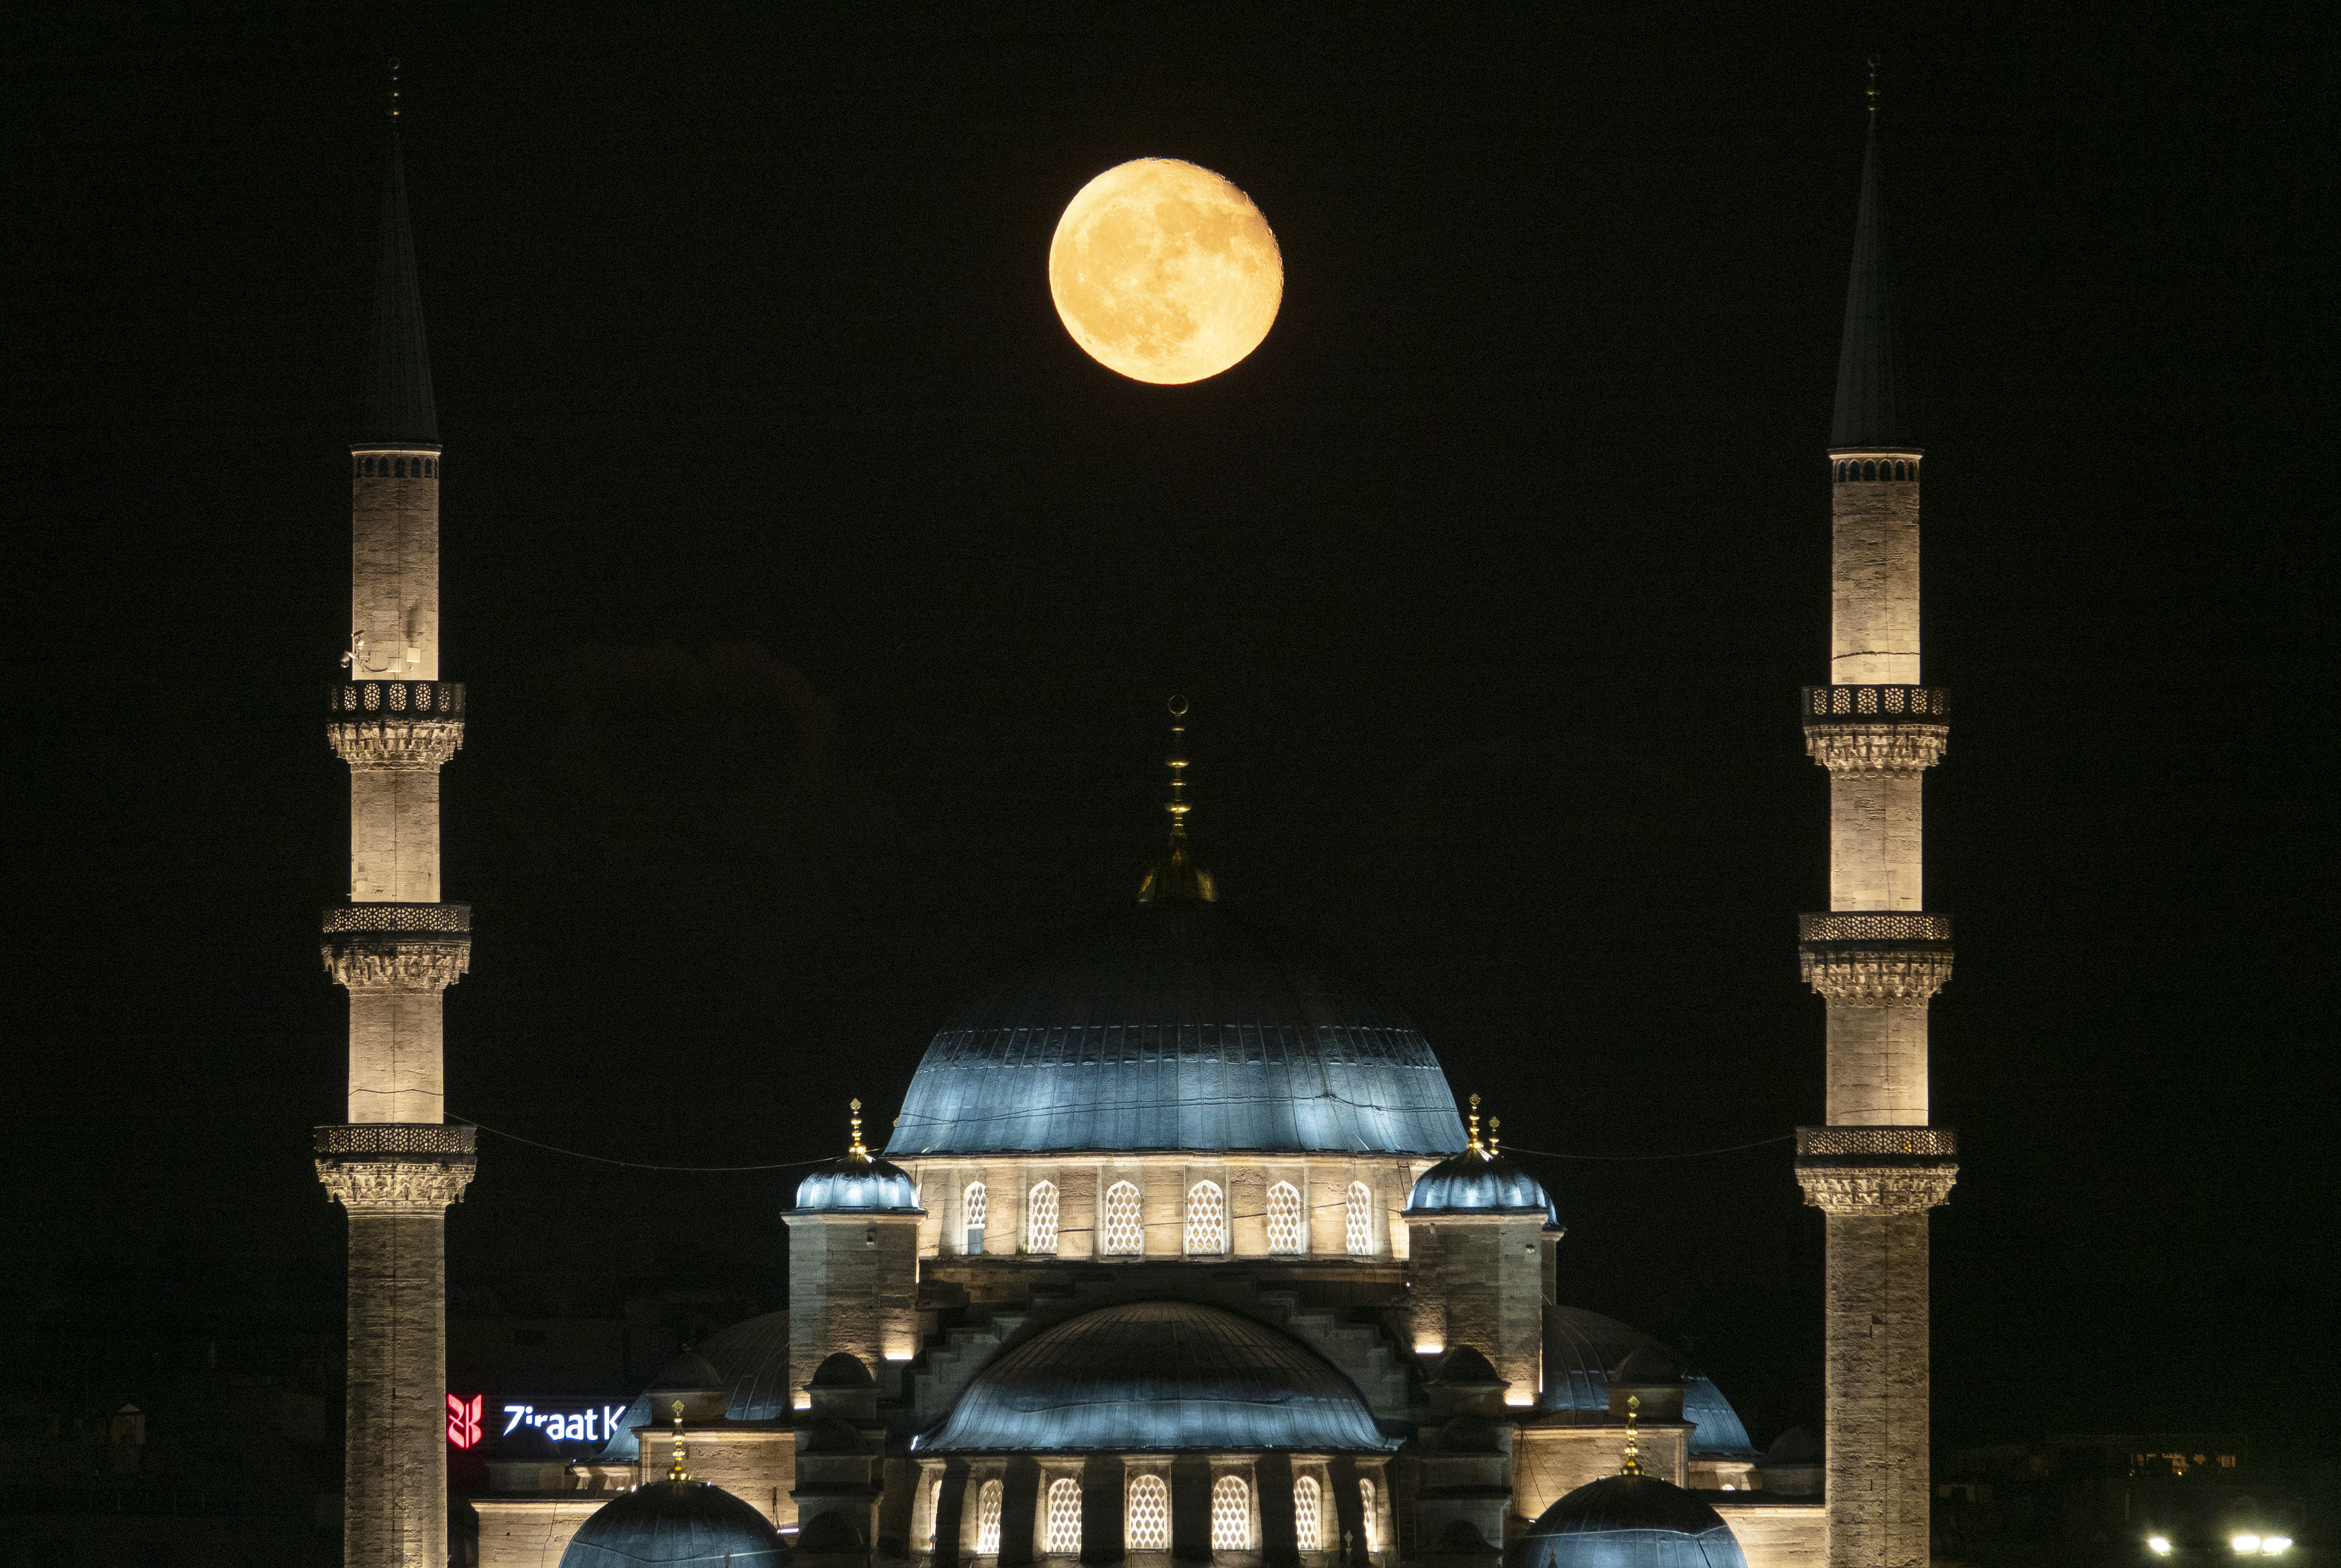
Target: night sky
(818, 600)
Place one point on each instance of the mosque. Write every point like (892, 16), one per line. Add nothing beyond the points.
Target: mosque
(1181, 1246)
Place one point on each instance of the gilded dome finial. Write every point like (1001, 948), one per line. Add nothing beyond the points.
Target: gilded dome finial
(857, 1151)
(1633, 1444)
(1493, 1123)
(1475, 1125)
(1176, 876)
(676, 1472)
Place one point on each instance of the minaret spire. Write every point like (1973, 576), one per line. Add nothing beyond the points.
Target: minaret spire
(398, 404)
(1869, 407)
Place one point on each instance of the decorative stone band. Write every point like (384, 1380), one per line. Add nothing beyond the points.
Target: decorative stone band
(1898, 748)
(396, 1140)
(1876, 1189)
(395, 724)
(1880, 958)
(365, 963)
(396, 1186)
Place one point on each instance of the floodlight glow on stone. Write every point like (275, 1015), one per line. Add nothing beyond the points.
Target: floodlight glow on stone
(1164, 272)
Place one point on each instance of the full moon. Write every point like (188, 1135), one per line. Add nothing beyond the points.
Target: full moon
(1165, 270)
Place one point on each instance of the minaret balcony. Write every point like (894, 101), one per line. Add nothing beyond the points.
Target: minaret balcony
(1877, 1172)
(395, 724)
(398, 946)
(1860, 704)
(1874, 955)
(356, 702)
(430, 1141)
(1876, 729)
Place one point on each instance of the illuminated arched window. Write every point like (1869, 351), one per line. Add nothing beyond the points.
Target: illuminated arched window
(1065, 1515)
(1309, 1514)
(1360, 1218)
(1207, 1219)
(1125, 1226)
(987, 1520)
(974, 1203)
(1286, 1234)
(1149, 1520)
(1040, 1218)
(1373, 1520)
(1230, 1514)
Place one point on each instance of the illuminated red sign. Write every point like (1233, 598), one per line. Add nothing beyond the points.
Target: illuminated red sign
(464, 1418)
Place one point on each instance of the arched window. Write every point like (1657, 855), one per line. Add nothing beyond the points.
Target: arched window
(1149, 1528)
(987, 1520)
(1065, 1515)
(1230, 1514)
(1869, 471)
(1360, 1218)
(1125, 1227)
(975, 1201)
(1040, 1218)
(1307, 1514)
(1285, 1231)
(1207, 1219)
(1372, 1523)
(430, 468)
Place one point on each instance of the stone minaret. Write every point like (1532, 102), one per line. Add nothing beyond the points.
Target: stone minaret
(394, 1164)
(1876, 957)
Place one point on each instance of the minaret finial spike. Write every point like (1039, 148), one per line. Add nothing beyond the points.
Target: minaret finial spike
(1493, 1123)
(1177, 877)
(1177, 805)
(857, 1151)
(394, 94)
(1873, 92)
(1633, 1442)
(1475, 1122)
(676, 1472)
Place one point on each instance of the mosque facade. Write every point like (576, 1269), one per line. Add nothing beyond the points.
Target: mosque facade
(1181, 1246)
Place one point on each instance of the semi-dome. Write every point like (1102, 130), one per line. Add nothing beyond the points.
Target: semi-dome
(1176, 1025)
(1628, 1522)
(858, 1184)
(750, 1359)
(1583, 1349)
(675, 1523)
(1480, 1181)
(1155, 1375)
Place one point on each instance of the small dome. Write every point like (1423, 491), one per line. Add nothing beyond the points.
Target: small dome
(858, 1184)
(1476, 1182)
(752, 1363)
(1150, 1376)
(1582, 1348)
(1466, 1368)
(678, 1523)
(1628, 1522)
(841, 1369)
(689, 1369)
(1797, 1446)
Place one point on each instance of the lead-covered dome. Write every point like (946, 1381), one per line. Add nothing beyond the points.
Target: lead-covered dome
(1583, 1350)
(859, 1183)
(1479, 1182)
(1178, 1026)
(1628, 1522)
(1151, 1376)
(676, 1523)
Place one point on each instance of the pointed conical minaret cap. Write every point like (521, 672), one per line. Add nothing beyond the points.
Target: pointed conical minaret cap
(1869, 410)
(1176, 876)
(398, 404)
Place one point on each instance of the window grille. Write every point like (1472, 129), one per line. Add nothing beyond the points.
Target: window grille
(1286, 1233)
(1041, 1219)
(1360, 1221)
(975, 1200)
(1372, 1524)
(1149, 1514)
(1125, 1228)
(1230, 1514)
(1309, 1514)
(1065, 1515)
(987, 1520)
(1207, 1219)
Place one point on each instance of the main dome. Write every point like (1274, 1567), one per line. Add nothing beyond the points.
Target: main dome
(1177, 1025)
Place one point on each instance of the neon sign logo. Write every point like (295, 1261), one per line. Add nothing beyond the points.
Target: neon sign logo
(464, 1418)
